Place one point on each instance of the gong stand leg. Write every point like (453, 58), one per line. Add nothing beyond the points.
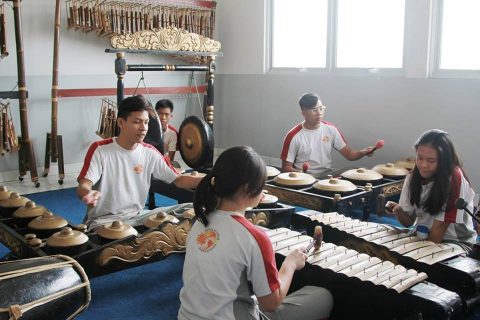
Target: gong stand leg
(120, 70)
(22, 159)
(22, 91)
(46, 168)
(61, 166)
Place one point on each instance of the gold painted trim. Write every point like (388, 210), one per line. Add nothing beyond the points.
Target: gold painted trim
(171, 238)
(12, 243)
(170, 39)
(259, 219)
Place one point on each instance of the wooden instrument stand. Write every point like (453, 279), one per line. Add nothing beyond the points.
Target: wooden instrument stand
(26, 156)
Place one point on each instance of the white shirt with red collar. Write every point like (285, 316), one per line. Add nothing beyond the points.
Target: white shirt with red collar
(123, 178)
(461, 224)
(313, 146)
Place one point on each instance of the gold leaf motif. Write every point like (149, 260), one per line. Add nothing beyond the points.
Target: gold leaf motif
(11, 243)
(169, 38)
(259, 219)
(171, 238)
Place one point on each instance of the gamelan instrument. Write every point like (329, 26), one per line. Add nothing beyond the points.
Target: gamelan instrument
(107, 123)
(445, 264)
(123, 17)
(302, 189)
(50, 287)
(8, 137)
(365, 287)
(34, 231)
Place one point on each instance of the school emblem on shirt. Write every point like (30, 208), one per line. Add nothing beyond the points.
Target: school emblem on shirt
(207, 240)
(326, 139)
(138, 169)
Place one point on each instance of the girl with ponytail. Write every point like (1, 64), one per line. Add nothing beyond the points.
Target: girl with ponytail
(230, 264)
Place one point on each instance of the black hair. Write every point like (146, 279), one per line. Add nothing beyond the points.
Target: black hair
(236, 168)
(133, 104)
(308, 100)
(448, 161)
(164, 103)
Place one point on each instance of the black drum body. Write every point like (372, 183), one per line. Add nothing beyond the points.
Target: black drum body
(50, 287)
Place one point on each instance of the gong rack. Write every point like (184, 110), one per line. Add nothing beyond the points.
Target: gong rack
(365, 198)
(101, 257)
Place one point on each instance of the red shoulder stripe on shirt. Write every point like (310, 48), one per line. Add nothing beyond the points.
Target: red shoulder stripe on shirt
(149, 146)
(89, 155)
(288, 140)
(266, 249)
(341, 134)
(455, 186)
(172, 128)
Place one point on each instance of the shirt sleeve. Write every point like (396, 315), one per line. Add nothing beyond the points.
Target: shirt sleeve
(292, 151)
(460, 188)
(262, 272)
(405, 197)
(338, 141)
(162, 170)
(92, 167)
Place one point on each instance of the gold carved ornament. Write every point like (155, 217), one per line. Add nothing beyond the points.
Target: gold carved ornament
(12, 243)
(169, 38)
(259, 219)
(171, 238)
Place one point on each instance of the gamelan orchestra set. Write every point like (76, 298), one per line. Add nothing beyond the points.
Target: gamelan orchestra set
(358, 261)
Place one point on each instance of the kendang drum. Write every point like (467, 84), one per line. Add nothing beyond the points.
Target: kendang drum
(50, 287)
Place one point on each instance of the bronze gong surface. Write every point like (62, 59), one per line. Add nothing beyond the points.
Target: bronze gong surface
(196, 142)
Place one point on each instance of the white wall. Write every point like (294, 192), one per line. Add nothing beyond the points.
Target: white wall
(83, 64)
(256, 107)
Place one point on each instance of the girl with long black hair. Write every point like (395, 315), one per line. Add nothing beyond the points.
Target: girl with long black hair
(230, 265)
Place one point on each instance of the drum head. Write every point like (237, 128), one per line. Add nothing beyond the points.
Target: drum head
(196, 142)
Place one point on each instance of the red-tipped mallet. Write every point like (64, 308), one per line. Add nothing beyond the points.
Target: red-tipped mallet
(378, 145)
(317, 239)
(305, 166)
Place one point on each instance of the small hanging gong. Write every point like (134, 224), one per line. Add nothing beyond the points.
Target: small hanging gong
(196, 142)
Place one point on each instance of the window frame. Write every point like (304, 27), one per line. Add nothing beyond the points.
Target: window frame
(435, 52)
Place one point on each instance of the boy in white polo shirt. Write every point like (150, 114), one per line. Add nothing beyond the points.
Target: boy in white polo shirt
(312, 142)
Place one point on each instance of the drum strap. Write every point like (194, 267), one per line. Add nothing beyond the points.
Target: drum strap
(16, 311)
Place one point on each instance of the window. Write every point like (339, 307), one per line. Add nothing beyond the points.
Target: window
(458, 47)
(299, 33)
(334, 34)
(370, 33)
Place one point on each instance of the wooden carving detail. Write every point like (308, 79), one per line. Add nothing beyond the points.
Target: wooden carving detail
(12, 243)
(393, 190)
(171, 238)
(296, 198)
(259, 219)
(169, 38)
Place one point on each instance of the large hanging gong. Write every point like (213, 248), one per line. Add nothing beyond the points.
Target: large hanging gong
(196, 142)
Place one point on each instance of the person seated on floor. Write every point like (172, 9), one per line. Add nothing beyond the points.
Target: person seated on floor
(122, 167)
(313, 140)
(230, 263)
(431, 190)
(164, 110)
